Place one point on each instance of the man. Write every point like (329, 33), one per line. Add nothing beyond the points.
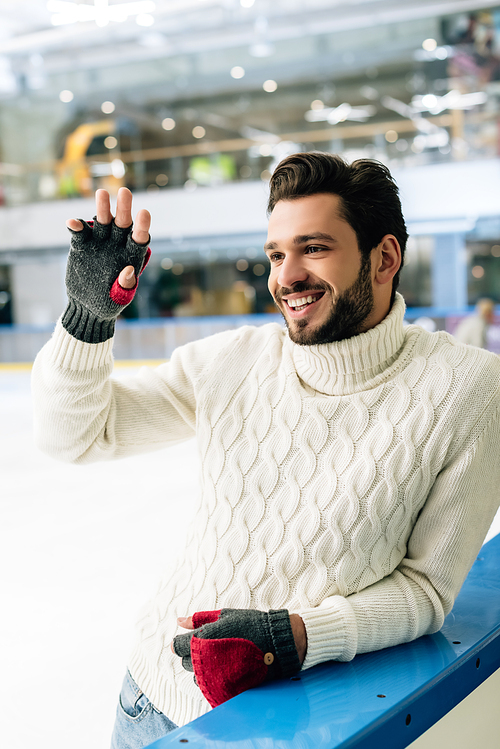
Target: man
(349, 464)
(473, 330)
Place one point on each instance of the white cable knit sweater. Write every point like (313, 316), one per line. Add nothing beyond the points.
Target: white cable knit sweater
(352, 483)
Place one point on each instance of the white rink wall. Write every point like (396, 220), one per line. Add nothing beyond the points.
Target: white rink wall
(81, 549)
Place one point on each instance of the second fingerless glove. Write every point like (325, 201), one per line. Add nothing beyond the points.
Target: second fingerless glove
(233, 650)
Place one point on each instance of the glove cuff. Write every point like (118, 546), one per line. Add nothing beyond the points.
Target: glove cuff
(84, 325)
(283, 641)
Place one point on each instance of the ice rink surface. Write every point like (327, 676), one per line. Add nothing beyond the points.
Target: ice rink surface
(82, 548)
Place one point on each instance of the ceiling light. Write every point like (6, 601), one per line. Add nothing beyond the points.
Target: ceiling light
(117, 168)
(452, 100)
(429, 101)
(429, 45)
(270, 86)
(261, 49)
(101, 12)
(110, 142)
(168, 123)
(339, 114)
(317, 104)
(237, 71)
(343, 112)
(198, 131)
(144, 19)
(66, 96)
(441, 53)
(436, 53)
(107, 107)
(391, 136)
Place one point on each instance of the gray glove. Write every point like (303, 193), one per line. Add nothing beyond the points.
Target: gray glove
(98, 254)
(232, 650)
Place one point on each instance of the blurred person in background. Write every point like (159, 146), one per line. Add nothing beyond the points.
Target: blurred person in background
(349, 464)
(473, 330)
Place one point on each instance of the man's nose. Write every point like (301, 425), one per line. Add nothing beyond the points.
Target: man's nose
(292, 270)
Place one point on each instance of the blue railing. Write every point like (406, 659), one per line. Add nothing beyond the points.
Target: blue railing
(382, 700)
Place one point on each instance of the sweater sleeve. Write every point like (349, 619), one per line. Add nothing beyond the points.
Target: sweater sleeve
(415, 598)
(82, 414)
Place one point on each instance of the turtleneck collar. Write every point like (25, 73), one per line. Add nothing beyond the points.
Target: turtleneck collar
(355, 364)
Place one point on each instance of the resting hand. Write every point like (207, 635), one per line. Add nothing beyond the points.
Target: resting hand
(233, 650)
(105, 261)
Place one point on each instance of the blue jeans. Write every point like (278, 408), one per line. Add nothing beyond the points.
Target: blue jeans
(138, 723)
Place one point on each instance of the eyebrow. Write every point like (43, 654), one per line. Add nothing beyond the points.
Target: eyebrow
(302, 239)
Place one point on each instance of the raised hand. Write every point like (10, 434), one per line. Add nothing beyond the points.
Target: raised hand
(105, 261)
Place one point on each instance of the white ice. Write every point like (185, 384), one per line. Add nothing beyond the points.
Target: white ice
(81, 549)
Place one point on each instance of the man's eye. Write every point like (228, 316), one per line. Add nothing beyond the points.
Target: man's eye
(275, 257)
(313, 248)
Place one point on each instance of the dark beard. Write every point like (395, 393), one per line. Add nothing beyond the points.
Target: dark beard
(351, 309)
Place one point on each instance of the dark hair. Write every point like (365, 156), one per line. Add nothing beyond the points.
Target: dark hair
(369, 195)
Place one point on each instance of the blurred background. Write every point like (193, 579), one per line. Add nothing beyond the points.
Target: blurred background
(192, 103)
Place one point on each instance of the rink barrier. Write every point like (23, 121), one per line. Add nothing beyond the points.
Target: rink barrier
(382, 700)
(153, 339)
(16, 366)
(134, 339)
(118, 364)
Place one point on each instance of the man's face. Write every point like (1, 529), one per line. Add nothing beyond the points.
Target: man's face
(318, 280)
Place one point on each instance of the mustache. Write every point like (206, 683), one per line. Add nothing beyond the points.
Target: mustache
(299, 287)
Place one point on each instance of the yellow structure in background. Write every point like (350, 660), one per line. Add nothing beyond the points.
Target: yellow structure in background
(74, 170)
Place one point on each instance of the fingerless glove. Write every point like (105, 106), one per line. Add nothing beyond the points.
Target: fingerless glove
(233, 650)
(98, 253)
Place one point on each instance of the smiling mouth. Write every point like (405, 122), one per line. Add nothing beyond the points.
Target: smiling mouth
(297, 305)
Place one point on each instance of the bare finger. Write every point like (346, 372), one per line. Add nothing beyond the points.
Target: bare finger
(123, 216)
(186, 622)
(141, 227)
(103, 208)
(127, 279)
(74, 224)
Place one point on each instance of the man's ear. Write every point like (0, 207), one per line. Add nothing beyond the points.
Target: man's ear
(386, 259)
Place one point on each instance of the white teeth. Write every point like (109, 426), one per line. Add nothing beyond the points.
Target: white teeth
(301, 302)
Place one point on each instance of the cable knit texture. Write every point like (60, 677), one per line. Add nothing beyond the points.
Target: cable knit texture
(352, 483)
